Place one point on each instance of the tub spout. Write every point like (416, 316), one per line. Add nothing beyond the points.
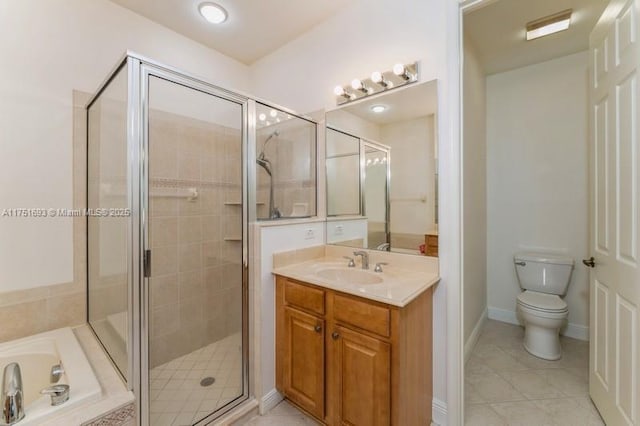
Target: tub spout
(12, 395)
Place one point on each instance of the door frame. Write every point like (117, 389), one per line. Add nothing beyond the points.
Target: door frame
(139, 170)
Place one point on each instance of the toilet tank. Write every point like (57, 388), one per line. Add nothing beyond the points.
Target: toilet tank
(545, 273)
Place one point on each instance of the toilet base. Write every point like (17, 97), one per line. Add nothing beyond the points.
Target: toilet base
(542, 342)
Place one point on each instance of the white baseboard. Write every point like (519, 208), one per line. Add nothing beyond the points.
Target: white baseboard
(269, 401)
(475, 334)
(439, 413)
(576, 331)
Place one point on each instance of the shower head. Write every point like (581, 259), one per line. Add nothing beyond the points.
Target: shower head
(274, 134)
(264, 163)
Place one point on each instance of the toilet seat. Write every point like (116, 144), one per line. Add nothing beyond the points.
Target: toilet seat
(542, 302)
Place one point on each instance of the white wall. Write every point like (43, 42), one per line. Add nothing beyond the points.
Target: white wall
(49, 48)
(474, 193)
(274, 239)
(537, 176)
(373, 35)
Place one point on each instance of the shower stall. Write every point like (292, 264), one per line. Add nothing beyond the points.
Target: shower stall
(172, 184)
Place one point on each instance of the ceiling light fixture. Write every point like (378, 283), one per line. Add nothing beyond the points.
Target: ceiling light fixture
(378, 108)
(549, 25)
(213, 13)
(273, 113)
(262, 117)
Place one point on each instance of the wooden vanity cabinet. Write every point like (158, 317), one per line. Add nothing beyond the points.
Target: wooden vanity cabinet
(348, 360)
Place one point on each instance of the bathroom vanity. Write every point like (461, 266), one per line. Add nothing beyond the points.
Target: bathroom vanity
(361, 359)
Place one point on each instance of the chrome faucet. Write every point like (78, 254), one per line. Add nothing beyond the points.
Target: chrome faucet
(365, 258)
(12, 395)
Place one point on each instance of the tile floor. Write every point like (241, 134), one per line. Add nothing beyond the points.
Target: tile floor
(284, 414)
(178, 399)
(505, 385)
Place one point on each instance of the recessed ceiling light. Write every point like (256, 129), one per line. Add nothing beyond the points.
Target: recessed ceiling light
(549, 25)
(378, 108)
(213, 13)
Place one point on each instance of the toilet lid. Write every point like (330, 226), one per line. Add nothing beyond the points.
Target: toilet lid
(542, 301)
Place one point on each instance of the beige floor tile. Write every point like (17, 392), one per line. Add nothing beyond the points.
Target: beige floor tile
(531, 385)
(523, 413)
(568, 412)
(568, 383)
(471, 395)
(482, 415)
(536, 392)
(493, 388)
(284, 414)
(476, 365)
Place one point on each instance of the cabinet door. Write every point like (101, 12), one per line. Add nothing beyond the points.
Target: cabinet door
(303, 366)
(362, 366)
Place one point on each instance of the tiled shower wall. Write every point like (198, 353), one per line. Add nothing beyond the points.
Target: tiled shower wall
(196, 284)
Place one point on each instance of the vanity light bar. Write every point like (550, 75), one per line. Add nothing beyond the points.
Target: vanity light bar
(400, 75)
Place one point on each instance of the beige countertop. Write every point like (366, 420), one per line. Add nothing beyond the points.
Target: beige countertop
(400, 284)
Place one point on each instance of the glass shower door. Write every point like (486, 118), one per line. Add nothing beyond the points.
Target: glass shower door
(195, 237)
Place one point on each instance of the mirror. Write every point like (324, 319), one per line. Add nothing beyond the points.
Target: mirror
(381, 171)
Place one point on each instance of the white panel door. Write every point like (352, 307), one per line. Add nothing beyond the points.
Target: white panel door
(615, 189)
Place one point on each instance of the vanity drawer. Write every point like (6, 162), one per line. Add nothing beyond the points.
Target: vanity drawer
(305, 297)
(361, 314)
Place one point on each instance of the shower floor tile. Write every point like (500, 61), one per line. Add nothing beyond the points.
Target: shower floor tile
(176, 396)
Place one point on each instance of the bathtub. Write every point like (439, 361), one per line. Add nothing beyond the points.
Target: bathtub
(36, 355)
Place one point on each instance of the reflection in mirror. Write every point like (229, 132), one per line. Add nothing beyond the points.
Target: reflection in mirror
(343, 173)
(382, 172)
(375, 195)
(285, 164)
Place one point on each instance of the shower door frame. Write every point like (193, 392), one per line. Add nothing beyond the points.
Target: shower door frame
(364, 143)
(139, 128)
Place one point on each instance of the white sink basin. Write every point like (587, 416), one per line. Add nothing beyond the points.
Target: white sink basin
(349, 276)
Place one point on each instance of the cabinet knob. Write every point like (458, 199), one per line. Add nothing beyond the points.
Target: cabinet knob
(335, 335)
(318, 328)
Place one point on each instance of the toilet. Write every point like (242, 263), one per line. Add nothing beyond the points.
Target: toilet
(544, 279)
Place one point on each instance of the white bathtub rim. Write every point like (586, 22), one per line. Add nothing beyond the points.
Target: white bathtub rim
(84, 386)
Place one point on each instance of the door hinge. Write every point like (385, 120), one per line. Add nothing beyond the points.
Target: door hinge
(147, 263)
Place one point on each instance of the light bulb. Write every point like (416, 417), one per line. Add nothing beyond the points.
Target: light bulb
(377, 77)
(378, 108)
(273, 113)
(398, 69)
(339, 91)
(213, 13)
(356, 84)
(262, 117)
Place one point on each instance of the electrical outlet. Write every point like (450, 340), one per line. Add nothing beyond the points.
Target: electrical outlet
(339, 230)
(309, 234)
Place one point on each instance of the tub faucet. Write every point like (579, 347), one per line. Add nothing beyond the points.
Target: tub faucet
(12, 395)
(365, 258)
